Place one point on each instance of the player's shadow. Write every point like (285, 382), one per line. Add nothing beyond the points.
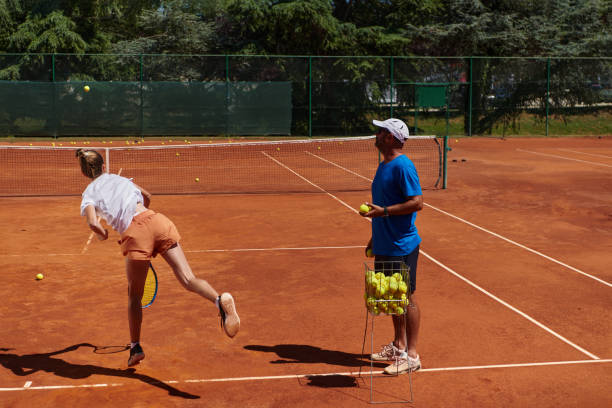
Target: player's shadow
(305, 354)
(23, 365)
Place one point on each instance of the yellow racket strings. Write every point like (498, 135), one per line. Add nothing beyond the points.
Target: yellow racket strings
(150, 288)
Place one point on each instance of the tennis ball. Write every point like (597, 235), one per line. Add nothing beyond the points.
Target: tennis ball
(197, 179)
(369, 253)
(39, 276)
(363, 208)
(393, 285)
(86, 88)
(402, 287)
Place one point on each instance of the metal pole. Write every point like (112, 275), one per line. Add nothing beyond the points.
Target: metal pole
(470, 98)
(392, 89)
(141, 98)
(309, 96)
(227, 95)
(55, 120)
(547, 91)
(445, 158)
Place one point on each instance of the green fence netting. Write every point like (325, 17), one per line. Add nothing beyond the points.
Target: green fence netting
(41, 94)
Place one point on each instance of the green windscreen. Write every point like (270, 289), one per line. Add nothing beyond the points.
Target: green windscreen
(145, 108)
(431, 96)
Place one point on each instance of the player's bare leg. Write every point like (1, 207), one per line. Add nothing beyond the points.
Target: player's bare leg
(227, 308)
(412, 328)
(136, 275)
(178, 262)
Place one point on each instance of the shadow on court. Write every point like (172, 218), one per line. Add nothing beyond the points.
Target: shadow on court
(305, 354)
(332, 381)
(23, 365)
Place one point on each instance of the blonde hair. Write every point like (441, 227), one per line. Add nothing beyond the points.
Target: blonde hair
(91, 162)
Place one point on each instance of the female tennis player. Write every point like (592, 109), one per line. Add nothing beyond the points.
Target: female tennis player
(144, 234)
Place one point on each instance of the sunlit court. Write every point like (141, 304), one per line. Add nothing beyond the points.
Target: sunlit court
(514, 281)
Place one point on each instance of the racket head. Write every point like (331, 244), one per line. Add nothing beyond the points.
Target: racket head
(110, 349)
(150, 288)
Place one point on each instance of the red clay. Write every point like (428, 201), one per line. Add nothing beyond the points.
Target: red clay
(302, 308)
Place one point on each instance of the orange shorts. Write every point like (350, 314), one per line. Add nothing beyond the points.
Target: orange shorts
(149, 234)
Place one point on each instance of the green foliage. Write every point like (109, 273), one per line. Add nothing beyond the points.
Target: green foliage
(501, 89)
(169, 30)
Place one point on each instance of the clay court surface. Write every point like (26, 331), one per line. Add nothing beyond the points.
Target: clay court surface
(514, 285)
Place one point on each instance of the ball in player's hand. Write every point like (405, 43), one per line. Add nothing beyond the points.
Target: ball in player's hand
(364, 209)
(39, 276)
(86, 88)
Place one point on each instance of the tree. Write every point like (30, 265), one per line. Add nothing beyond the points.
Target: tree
(171, 29)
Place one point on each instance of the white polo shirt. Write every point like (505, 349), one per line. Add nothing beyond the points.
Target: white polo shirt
(114, 198)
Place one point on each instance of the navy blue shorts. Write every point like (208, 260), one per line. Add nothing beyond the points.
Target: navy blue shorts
(388, 265)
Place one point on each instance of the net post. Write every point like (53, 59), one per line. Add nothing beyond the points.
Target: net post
(444, 162)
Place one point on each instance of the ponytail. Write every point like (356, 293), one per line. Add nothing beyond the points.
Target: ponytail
(91, 162)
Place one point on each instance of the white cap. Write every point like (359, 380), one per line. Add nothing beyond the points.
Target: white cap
(396, 127)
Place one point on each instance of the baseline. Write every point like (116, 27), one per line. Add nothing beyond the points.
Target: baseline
(28, 386)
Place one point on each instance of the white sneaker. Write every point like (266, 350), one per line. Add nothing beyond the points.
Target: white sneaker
(229, 317)
(388, 352)
(404, 364)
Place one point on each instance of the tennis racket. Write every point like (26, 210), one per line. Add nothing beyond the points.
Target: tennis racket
(150, 288)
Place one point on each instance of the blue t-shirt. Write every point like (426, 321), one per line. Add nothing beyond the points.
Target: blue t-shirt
(394, 181)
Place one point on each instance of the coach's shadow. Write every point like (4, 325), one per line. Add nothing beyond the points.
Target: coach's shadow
(303, 353)
(27, 364)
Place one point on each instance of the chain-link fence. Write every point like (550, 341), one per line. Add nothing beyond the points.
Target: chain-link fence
(43, 94)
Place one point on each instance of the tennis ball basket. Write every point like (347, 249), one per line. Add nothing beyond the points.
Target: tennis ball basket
(387, 292)
(387, 286)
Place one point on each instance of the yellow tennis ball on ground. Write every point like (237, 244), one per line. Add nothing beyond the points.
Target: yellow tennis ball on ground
(363, 208)
(39, 276)
(197, 179)
(86, 88)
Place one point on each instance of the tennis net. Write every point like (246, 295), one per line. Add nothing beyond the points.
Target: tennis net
(284, 166)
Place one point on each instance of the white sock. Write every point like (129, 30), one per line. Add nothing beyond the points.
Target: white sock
(132, 345)
(217, 302)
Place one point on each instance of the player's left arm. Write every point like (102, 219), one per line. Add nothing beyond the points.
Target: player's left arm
(411, 205)
(94, 223)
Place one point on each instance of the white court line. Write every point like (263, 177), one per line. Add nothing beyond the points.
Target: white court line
(514, 309)
(522, 246)
(312, 248)
(275, 249)
(298, 376)
(311, 183)
(337, 165)
(60, 387)
(524, 315)
(565, 158)
(588, 154)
